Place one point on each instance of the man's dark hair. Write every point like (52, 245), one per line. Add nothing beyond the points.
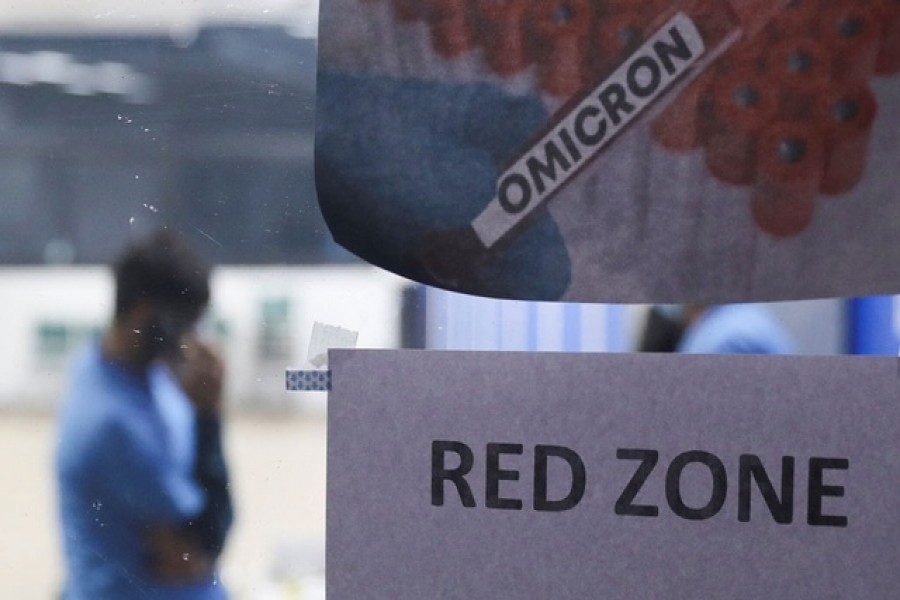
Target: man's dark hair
(162, 268)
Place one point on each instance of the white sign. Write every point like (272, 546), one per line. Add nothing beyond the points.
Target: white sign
(549, 475)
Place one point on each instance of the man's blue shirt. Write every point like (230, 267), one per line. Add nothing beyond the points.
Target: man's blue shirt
(736, 329)
(124, 463)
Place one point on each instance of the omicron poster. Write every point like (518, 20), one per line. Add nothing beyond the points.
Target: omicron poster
(615, 150)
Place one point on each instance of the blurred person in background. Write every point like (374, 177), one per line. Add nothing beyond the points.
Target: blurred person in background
(141, 476)
(662, 330)
(714, 329)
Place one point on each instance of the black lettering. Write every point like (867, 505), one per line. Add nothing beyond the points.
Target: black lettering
(537, 169)
(579, 479)
(494, 474)
(574, 152)
(818, 489)
(666, 51)
(520, 181)
(613, 99)
(648, 64)
(440, 474)
(589, 139)
(782, 509)
(625, 504)
(719, 485)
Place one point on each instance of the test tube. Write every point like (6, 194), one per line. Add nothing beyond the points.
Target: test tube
(852, 33)
(889, 54)
(847, 113)
(503, 34)
(790, 158)
(451, 29)
(685, 124)
(614, 37)
(796, 19)
(743, 104)
(562, 29)
(407, 11)
(799, 68)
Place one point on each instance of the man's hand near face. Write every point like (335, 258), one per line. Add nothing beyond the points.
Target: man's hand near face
(201, 374)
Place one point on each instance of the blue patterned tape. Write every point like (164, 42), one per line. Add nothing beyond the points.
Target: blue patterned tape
(308, 381)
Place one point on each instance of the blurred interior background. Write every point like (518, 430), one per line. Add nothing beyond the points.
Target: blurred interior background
(117, 117)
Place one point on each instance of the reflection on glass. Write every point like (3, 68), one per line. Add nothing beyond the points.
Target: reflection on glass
(117, 118)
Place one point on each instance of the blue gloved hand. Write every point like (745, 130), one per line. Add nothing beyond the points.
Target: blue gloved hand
(400, 160)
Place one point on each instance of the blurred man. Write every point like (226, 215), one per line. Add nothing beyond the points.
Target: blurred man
(732, 329)
(143, 486)
(714, 329)
(663, 328)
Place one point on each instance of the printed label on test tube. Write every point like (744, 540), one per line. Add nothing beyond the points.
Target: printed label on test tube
(590, 126)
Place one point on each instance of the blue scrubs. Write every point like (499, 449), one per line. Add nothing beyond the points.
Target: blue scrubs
(126, 449)
(736, 329)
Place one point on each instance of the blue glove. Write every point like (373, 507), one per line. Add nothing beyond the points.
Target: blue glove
(398, 160)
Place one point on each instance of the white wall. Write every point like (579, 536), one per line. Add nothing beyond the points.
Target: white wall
(78, 297)
(363, 299)
(817, 326)
(460, 322)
